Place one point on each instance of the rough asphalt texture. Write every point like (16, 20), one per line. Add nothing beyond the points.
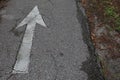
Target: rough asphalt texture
(58, 52)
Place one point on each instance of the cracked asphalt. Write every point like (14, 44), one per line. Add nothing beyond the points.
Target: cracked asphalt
(58, 52)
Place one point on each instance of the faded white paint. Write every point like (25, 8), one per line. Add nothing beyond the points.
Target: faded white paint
(23, 58)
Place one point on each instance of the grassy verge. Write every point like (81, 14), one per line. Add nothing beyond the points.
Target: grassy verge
(104, 21)
(108, 11)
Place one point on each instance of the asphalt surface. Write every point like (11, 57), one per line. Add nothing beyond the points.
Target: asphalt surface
(57, 53)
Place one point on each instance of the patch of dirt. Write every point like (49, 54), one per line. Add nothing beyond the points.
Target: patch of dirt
(2, 5)
(104, 25)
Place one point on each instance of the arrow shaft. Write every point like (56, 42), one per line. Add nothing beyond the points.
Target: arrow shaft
(23, 58)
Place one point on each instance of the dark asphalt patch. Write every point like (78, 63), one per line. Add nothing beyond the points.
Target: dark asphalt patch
(91, 66)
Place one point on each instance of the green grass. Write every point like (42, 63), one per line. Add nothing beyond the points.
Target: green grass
(113, 16)
(108, 11)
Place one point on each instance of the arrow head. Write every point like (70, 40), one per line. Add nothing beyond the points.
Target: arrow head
(33, 17)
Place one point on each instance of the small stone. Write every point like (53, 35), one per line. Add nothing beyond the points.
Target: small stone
(61, 54)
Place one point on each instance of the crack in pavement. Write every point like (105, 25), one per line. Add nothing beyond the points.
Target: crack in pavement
(7, 75)
(51, 2)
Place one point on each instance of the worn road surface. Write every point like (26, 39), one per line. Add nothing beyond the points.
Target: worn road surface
(57, 52)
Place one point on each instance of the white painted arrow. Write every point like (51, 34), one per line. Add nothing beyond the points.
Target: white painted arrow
(23, 57)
